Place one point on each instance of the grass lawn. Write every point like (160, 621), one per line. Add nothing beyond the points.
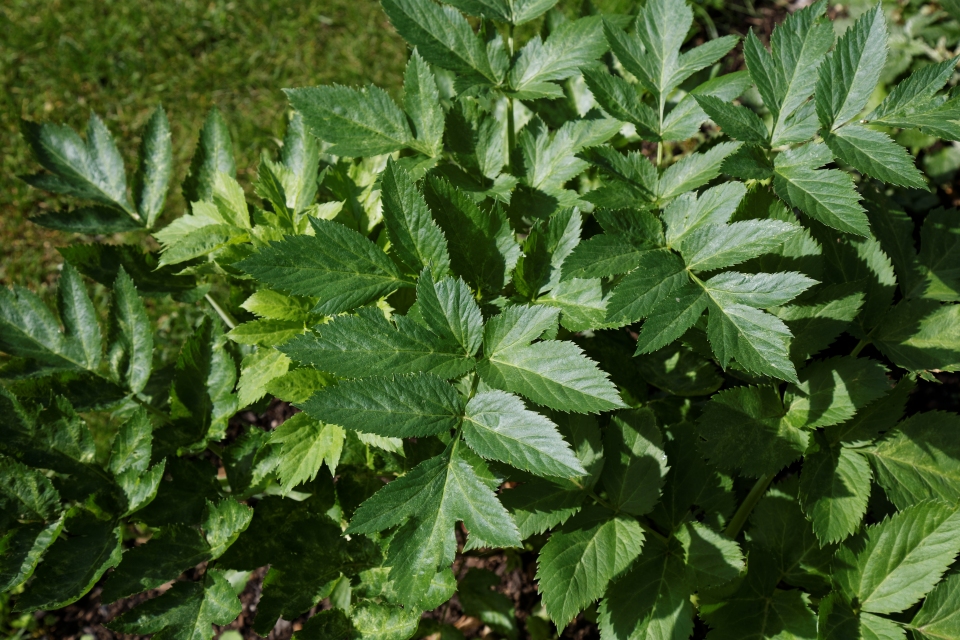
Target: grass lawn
(60, 59)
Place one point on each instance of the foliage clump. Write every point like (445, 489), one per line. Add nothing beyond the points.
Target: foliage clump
(538, 303)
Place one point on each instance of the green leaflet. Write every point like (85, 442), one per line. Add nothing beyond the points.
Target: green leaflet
(834, 488)
(900, 559)
(492, 608)
(450, 310)
(130, 347)
(187, 610)
(651, 600)
(832, 391)
(573, 44)
(214, 154)
(23, 548)
(156, 166)
(581, 558)
(873, 153)
(414, 236)
(306, 444)
(920, 334)
(939, 617)
(743, 428)
(29, 493)
(658, 275)
(399, 406)
(939, 254)
(711, 558)
(636, 464)
(919, 459)
(337, 265)
(737, 122)
(849, 73)
(497, 426)
(352, 346)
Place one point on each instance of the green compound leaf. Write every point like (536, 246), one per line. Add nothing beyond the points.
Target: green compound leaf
(396, 406)
(553, 373)
(919, 459)
(834, 488)
(921, 334)
(899, 560)
(353, 346)
(186, 610)
(337, 265)
(635, 462)
(498, 427)
(581, 558)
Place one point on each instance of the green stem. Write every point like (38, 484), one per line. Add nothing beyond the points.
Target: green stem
(152, 409)
(228, 319)
(740, 517)
(860, 345)
(511, 135)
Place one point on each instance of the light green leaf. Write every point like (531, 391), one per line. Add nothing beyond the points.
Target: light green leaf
(760, 290)
(755, 339)
(694, 170)
(553, 373)
(353, 346)
(714, 246)
(79, 318)
(571, 45)
(919, 459)
(306, 443)
(421, 101)
(900, 559)
(915, 92)
(130, 344)
(517, 326)
(849, 74)
(691, 211)
(358, 122)
(257, 371)
(397, 406)
(834, 488)
(875, 154)
(635, 462)
(337, 265)
(266, 333)
(498, 426)
(278, 306)
(581, 558)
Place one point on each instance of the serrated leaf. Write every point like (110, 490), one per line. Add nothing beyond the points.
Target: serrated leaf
(482, 246)
(684, 120)
(547, 248)
(30, 494)
(621, 100)
(826, 195)
(694, 170)
(920, 334)
(553, 373)
(442, 36)
(102, 262)
(832, 391)
(449, 308)
(132, 445)
(517, 326)
(353, 346)
(498, 427)
(214, 155)
(713, 558)
(357, 122)
(875, 154)
(914, 92)
(635, 462)
(678, 310)
(714, 246)
(849, 74)
(602, 256)
(834, 488)
(421, 101)
(760, 290)
(691, 211)
(397, 406)
(278, 306)
(540, 504)
(740, 123)
(23, 547)
(658, 276)
(88, 220)
(306, 443)
(939, 617)
(186, 611)
(581, 558)
(266, 333)
(571, 45)
(257, 371)
(652, 600)
(919, 460)
(79, 318)
(337, 265)
(73, 565)
(900, 559)
(156, 166)
(492, 608)
(130, 344)
(742, 428)
(415, 237)
(940, 254)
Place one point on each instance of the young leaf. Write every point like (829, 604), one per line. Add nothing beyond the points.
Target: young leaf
(306, 444)
(901, 558)
(421, 100)
(156, 166)
(573, 44)
(581, 558)
(397, 406)
(497, 426)
(337, 265)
